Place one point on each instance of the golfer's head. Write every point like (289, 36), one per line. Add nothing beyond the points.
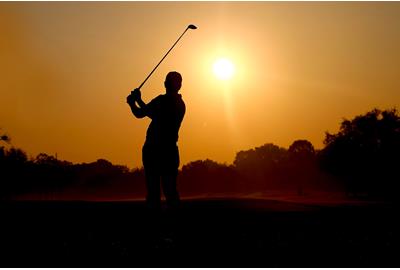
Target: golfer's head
(173, 82)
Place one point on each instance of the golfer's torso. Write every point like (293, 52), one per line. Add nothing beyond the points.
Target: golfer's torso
(167, 114)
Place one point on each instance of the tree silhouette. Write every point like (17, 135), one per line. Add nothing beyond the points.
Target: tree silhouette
(363, 156)
(14, 169)
(302, 149)
(302, 165)
(207, 176)
(364, 153)
(5, 138)
(262, 167)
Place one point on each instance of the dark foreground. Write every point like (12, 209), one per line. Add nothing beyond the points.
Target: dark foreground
(206, 233)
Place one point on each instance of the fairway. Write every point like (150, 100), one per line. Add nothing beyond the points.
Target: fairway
(206, 233)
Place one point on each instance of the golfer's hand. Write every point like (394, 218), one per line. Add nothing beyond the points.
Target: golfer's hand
(130, 99)
(134, 96)
(137, 95)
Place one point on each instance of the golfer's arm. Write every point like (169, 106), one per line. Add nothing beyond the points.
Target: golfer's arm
(141, 103)
(139, 111)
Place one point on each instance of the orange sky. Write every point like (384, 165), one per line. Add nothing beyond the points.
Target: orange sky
(67, 67)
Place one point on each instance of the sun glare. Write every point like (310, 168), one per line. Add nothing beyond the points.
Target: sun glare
(223, 69)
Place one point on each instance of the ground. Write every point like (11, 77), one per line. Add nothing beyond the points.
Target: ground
(218, 232)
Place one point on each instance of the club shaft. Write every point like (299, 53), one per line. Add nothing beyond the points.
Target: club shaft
(163, 58)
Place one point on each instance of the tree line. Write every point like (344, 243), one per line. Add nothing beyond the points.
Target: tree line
(361, 159)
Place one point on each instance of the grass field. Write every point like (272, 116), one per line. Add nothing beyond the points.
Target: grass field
(205, 233)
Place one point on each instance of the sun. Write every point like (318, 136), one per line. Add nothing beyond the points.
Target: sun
(223, 69)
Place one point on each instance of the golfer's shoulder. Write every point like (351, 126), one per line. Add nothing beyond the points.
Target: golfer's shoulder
(157, 100)
(169, 100)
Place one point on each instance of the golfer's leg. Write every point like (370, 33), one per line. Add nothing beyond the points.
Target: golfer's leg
(152, 174)
(169, 177)
(153, 189)
(170, 189)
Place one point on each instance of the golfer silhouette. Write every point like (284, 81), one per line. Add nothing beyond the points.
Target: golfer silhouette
(160, 154)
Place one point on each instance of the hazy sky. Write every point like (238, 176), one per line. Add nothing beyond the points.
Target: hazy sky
(67, 67)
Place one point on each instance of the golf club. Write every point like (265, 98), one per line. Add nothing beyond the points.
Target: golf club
(191, 26)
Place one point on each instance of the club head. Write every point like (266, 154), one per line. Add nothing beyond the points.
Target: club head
(191, 26)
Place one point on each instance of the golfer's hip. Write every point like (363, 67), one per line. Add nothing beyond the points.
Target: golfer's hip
(153, 154)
